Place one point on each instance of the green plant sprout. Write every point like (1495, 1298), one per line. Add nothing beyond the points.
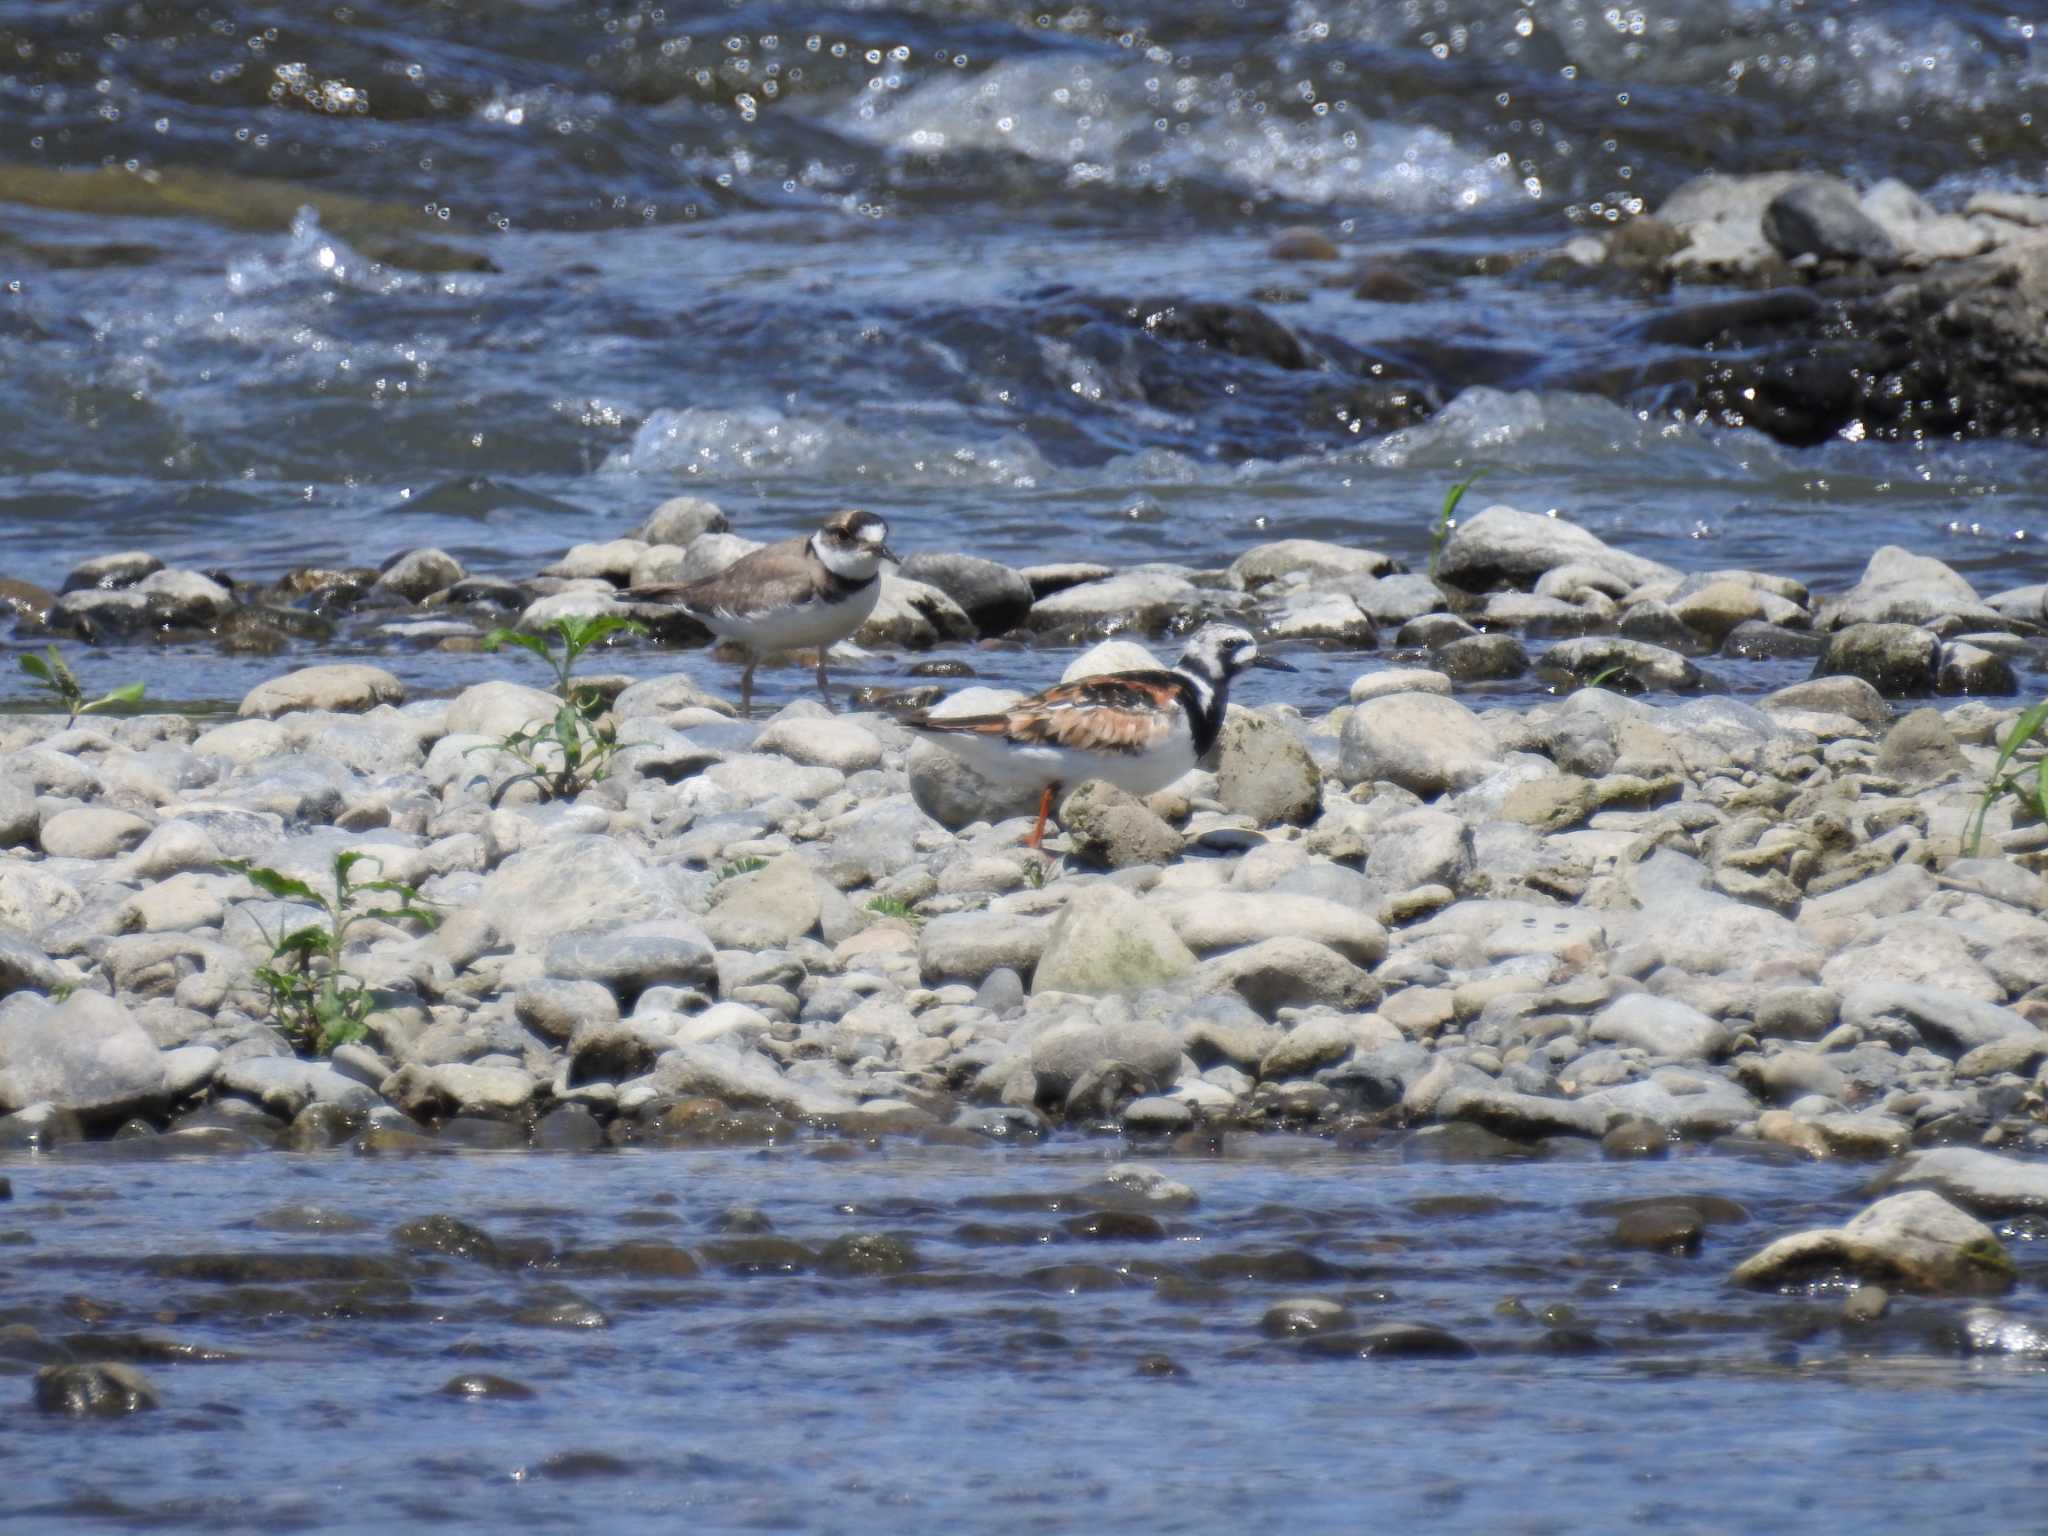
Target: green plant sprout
(313, 997)
(1442, 531)
(577, 735)
(55, 677)
(2027, 784)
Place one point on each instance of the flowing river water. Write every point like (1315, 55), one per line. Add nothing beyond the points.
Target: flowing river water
(845, 1337)
(286, 285)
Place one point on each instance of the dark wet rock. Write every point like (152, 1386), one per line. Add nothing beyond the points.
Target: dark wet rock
(307, 1218)
(1464, 1142)
(1047, 579)
(568, 1128)
(1301, 242)
(1300, 1316)
(1155, 1115)
(868, 1254)
(1895, 659)
(1277, 1266)
(643, 1258)
(383, 1140)
(1481, 658)
(485, 1132)
(449, 1236)
(760, 1255)
(319, 1126)
(562, 1312)
(1390, 1341)
(26, 601)
(1622, 663)
(997, 598)
(1971, 669)
(1759, 640)
(105, 1390)
(145, 1348)
(1661, 1228)
(1115, 1227)
(487, 592)
(1004, 1122)
(271, 1268)
(108, 573)
(1823, 218)
(481, 1386)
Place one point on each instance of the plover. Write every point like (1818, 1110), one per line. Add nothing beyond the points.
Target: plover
(813, 589)
(1138, 730)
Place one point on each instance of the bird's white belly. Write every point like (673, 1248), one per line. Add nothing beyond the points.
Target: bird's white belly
(1034, 766)
(789, 629)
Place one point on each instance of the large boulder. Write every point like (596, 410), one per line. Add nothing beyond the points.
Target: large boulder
(995, 597)
(83, 1054)
(769, 908)
(344, 687)
(1421, 741)
(1104, 940)
(1917, 1241)
(1894, 659)
(583, 882)
(1506, 547)
(1210, 922)
(1264, 772)
(1900, 587)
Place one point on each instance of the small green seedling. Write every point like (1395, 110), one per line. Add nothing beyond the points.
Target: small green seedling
(893, 906)
(738, 867)
(574, 750)
(55, 677)
(313, 998)
(2027, 784)
(1441, 533)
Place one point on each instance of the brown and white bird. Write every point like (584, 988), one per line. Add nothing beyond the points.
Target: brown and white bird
(1138, 730)
(811, 590)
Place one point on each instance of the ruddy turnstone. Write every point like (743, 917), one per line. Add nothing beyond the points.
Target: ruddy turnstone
(1138, 730)
(809, 590)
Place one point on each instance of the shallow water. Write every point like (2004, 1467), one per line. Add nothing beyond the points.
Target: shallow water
(796, 258)
(1020, 1375)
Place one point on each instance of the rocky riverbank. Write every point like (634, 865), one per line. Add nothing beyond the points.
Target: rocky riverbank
(1879, 314)
(1603, 922)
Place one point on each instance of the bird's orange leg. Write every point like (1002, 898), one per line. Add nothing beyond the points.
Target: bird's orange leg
(1036, 841)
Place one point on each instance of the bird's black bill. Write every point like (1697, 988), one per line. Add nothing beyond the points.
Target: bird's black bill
(891, 556)
(1273, 663)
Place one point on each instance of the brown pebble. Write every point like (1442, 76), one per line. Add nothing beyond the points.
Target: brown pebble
(1301, 242)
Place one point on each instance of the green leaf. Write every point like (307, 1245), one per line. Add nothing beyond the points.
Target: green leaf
(63, 674)
(127, 693)
(308, 943)
(37, 668)
(274, 883)
(2023, 731)
(525, 642)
